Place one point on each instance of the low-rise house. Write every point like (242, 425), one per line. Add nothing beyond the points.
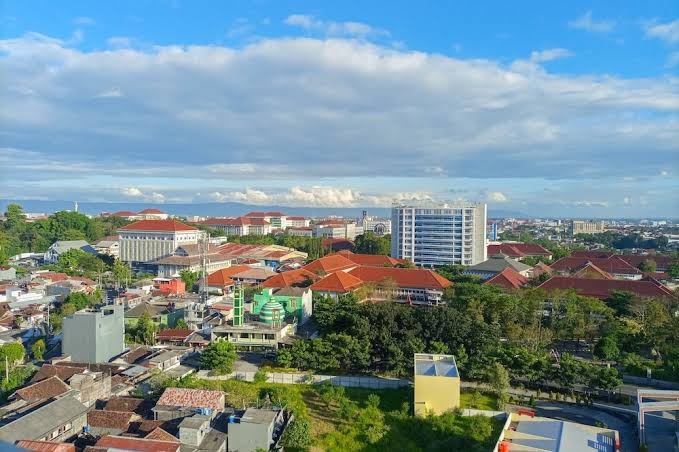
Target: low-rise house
(134, 404)
(508, 278)
(166, 359)
(602, 288)
(161, 316)
(518, 250)
(173, 336)
(7, 273)
(182, 402)
(107, 422)
(614, 265)
(58, 420)
(43, 390)
(196, 434)
(45, 446)
(61, 246)
(256, 429)
(127, 443)
(94, 335)
(494, 265)
(169, 286)
(109, 246)
(539, 269)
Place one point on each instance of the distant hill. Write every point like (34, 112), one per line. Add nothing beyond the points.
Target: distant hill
(213, 209)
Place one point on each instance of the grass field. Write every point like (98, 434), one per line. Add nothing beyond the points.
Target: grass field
(333, 431)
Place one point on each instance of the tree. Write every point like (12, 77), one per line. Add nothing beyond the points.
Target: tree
(38, 349)
(121, 272)
(607, 348)
(369, 243)
(189, 277)
(260, 376)
(12, 353)
(181, 323)
(648, 265)
(298, 434)
(673, 268)
(621, 302)
(604, 378)
(145, 331)
(219, 357)
(498, 379)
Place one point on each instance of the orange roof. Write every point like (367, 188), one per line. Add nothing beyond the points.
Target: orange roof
(137, 444)
(222, 277)
(404, 277)
(158, 225)
(174, 333)
(585, 272)
(330, 263)
(340, 282)
(193, 398)
(288, 279)
(161, 435)
(45, 446)
(373, 260)
(508, 278)
(44, 389)
(123, 213)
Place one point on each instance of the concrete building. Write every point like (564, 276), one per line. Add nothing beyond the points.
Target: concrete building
(255, 429)
(495, 265)
(277, 220)
(437, 384)
(94, 336)
(187, 257)
(152, 214)
(376, 225)
(7, 273)
(297, 222)
(240, 226)
(439, 234)
(148, 240)
(335, 230)
(109, 246)
(587, 227)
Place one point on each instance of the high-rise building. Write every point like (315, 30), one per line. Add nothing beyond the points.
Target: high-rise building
(439, 234)
(587, 227)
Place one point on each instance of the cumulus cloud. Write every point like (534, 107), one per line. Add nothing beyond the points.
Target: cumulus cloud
(497, 196)
(590, 203)
(331, 28)
(549, 55)
(249, 196)
(303, 110)
(666, 31)
(137, 193)
(587, 23)
(132, 192)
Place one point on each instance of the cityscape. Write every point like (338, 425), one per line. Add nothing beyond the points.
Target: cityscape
(267, 226)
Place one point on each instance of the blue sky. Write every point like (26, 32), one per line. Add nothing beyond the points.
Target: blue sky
(570, 109)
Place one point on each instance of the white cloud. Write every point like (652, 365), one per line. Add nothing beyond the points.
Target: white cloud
(585, 22)
(626, 200)
(549, 55)
(331, 28)
(84, 21)
(668, 31)
(590, 203)
(497, 196)
(119, 42)
(110, 93)
(249, 196)
(664, 173)
(132, 192)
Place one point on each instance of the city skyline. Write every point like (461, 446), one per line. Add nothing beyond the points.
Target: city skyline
(570, 111)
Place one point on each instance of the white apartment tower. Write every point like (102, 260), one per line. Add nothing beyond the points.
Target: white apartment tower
(439, 234)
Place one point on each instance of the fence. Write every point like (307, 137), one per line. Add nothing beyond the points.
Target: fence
(303, 378)
(652, 382)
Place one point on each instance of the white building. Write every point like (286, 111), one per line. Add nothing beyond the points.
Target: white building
(376, 225)
(297, 222)
(277, 220)
(148, 240)
(240, 226)
(336, 230)
(439, 234)
(109, 246)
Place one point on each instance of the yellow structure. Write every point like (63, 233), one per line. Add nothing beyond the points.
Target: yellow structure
(437, 384)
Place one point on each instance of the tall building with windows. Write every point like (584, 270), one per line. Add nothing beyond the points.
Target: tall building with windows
(148, 240)
(587, 227)
(439, 234)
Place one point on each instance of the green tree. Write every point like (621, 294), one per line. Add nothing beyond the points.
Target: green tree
(369, 243)
(181, 323)
(219, 357)
(604, 378)
(498, 379)
(189, 277)
(607, 348)
(12, 353)
(648, 265)
(38, 349)
(145, 330)
(121, 272)
(260, 377)
(298, 434)
(673, 267)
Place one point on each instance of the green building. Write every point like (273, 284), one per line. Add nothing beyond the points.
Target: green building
(295, 301)
(160, 315)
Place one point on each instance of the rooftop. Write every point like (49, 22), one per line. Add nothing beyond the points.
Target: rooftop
(290, 278)
(329, 263)
(112, 419)
(419, 278)
(158, 225)
(508, 278)
(259, 416)
(45, 446)
(137, 444)
(195, 398)
(432, 365)
(497, 263)
(44, 389)
(602, 288)
(339, 281)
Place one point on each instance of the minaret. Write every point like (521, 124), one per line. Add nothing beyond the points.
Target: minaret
(238, 305)
(75, 206)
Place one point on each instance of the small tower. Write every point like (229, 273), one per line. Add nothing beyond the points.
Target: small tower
(75, 206)
(238, 306)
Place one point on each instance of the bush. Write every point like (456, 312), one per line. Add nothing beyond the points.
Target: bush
(260, 376)
(298, 434)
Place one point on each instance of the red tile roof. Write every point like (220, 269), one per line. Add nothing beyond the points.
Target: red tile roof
(174, 333)
(288, 279)
(591, 268)
(592, 254)
(123, 213)
(613, 265)
(137, 444)
(45, 446)
(404, 277)
(239, 221)
(222, 277)
(151, 211)
(45, 389)
(110, 419)
(508, 278)
(372, 260)
(63, 372)
(53, 276)
(126, 404)
(338, 282)
(601, 288)
(329, 263)
(161, 435)
(661, 262)
(195, 398)
(518, 250)
(158, 225)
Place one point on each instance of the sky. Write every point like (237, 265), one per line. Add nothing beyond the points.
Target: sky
(547, 108)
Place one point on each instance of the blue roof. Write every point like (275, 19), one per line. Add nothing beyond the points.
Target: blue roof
(436, 368)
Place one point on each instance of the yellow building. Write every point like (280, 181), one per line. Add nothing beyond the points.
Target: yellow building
(437, 384)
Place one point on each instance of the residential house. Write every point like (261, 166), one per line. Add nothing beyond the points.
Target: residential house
(173, 336)
(166, 359)
(57, 421)
(169, 286)
(129, 443)
(109, 246)
(177, 403)
(495, 264)
(508, 278)
(256, 429)
(7, 273)
(45, 446)
(162, 316)
(59, 247)
(38, 392)
(107, 422)
(94, 335)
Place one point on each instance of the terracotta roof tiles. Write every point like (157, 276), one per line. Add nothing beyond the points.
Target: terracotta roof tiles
(195, 398)
(137, 444)
(403, 277)
(161, 435)
(601, 288)
(330, 263)
(42, 390)
(290, 278)
(338, 282)
(110, 419)
(158, 225)
(508, 278)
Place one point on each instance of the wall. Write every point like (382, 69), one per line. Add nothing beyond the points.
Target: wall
(303, 378)
(93, 337)
(436, 394)
(247, 436)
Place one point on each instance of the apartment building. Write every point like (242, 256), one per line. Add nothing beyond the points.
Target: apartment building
(336, 229)
(94, 336)
(240, 226)
(587, 227)
(277, 220)
(297, 222)
(148, 240)
(439, 234)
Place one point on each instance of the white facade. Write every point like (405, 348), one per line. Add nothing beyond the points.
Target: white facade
(439, 234)
(297, 222)
(145, 246)
(336, 231)
(379, 226)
